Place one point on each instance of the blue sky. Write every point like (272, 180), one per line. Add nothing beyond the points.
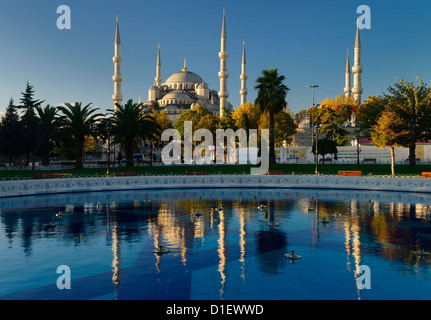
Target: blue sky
(305, 40)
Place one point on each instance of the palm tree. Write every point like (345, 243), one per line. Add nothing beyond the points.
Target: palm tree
(77, 123)
(271, 97)
(130, 123)
(48, 123)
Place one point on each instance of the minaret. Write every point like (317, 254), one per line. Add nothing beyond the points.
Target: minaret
(117, 78)
(158, 78)
(348, 87)
(243, 92)
(357, 70)
(223, 74)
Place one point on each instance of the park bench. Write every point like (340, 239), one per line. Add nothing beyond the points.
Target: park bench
(50, 175)
(350, 173)
(369, 160)
(274, 172)
(124, 173)
(197, 172)
(19, 164)
(426, 175)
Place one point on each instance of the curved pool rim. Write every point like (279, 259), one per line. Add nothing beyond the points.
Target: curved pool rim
(21, 188)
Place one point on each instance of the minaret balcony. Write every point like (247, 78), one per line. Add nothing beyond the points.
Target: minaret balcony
(117, 78)
(117, 59)
(223, 55)
(357, 90)
(223, 74)
(223, 94)
(357, 69)
(117, 97)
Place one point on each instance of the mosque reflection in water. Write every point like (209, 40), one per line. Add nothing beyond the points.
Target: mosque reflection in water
(203, 229)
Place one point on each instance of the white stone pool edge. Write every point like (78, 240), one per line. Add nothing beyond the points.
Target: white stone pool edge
(102, 184)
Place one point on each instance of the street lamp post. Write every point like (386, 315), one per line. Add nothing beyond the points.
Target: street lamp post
(358, 151)
(316, 171)
(108, 129)
(312, 128)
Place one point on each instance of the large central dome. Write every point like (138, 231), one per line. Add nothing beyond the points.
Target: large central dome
(184, 77)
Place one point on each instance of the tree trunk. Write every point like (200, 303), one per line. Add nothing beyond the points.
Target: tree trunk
(128, 149)
(45, 158)
(412, 155)
(271, 139)
(393, 160)
(79, 154)
(151, 153)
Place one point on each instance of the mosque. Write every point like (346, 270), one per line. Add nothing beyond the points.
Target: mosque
(184, 89)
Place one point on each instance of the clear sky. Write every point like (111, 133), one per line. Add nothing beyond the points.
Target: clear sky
(306, 41)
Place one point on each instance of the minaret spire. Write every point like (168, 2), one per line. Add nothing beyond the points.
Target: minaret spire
(243, 92)
(357, 70)
(117, 78)
(158, 78)
(348, 88)
(223, 74)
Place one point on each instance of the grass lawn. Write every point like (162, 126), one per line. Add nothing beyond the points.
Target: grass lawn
(374, 169)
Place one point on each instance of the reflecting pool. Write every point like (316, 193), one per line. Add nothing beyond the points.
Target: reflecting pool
(223, 244)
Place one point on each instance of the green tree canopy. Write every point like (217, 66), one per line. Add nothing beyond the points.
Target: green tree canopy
(11, 132)
(284, 128)
(271, 97)
(48, 124)
(389, 131)
(130, 125)
(76, 123)
(412, 104)
(324, 146)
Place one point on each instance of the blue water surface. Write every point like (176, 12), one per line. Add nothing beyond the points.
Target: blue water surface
(224, 244)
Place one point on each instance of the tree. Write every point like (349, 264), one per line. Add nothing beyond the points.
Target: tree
(389, 131)
(252, 113)
(342, 107)
(130, 124)
(226, 121)
(284, 128)
(78, 122)
(48, 124)
(271, 97)
(11, 133)
(331, 124)
(324, 146)
(194, 115)
(162, 119)
(243, 122)
(412, 104)
(28, 120)
(368, 114)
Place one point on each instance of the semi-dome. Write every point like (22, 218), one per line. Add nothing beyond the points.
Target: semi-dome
(176, 95)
